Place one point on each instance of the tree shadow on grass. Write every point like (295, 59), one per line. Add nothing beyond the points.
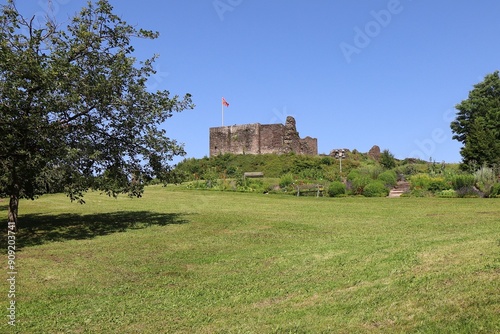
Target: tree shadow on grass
(37, 229)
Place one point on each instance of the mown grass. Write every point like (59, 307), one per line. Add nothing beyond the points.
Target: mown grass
(213, 262)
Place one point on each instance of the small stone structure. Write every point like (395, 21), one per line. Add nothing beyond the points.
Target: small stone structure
(374, 153)
(261, 139)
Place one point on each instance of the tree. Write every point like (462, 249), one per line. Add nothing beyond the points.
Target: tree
(387, 159)
(477, 124)
(75, 108)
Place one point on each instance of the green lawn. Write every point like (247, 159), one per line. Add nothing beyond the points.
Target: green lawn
(180, 261)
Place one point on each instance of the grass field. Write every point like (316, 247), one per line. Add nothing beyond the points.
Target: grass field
(213, 262)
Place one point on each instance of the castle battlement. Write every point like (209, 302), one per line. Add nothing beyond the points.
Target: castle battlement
(261, 139)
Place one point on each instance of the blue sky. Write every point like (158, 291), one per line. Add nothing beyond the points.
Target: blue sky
(353, 73)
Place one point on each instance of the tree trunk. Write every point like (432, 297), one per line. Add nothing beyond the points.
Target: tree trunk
(12, 215)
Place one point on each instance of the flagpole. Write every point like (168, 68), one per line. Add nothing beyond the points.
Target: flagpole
(224, 103)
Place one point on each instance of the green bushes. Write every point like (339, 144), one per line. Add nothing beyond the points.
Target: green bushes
(251, 185)
(469, 192)
(375, 189)
(336, 189)
(438, 184)
(450, 193)
(285, 172)
(371, 181)
(286, 180)
(424, 185)
(452, 184)
(495, 191)
(428, 183)
(387, 159)
(462, 181)
(485, 179)
(372, 171)
(389, 178)
(359, 183)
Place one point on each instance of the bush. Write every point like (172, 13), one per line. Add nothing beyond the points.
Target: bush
(372, 171)
(336, 188)
(438, 184)
(450, 193)
(286, 180)
(311, 174)
(331, 173)
(359, 183)
(495, 190)
(353, 174)
(428, 183)
(408, 169)
(254, 185)
(420, 182)
(468, 192)
(389, 178)
(462, 181)
(485, 178)
(387, 159)
(375, 189)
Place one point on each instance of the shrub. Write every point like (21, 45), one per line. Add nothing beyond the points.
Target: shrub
(495, 190)
(255, 185)
(372, 171)
(468, 192)
(387, 159)
(462, 181)
(450, 193)
(428, 183)
(420, 182)
(327, 161)
(359, 183)
(336, 188)
(331, 173)
(438, 184)
(389, 178)
(353, 174)
(407, 170)
(311, 174)
(375, 189)
(485, 178)
(211, 178)
(286, 180)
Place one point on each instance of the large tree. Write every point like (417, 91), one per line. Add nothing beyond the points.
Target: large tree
(477, 124)
(74, 106)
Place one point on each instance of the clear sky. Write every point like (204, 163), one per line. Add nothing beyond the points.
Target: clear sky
(353, 73)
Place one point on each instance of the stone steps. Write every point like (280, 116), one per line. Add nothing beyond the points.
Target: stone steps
(396, 193)
(399, 189)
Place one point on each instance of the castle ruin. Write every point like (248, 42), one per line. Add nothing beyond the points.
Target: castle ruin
(261, 139)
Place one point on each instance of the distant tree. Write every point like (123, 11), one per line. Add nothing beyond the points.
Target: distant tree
(477, 124)
(74, 108)
(387, 159)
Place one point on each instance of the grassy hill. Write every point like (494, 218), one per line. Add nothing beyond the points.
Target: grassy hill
(179, 261)
(272, 165)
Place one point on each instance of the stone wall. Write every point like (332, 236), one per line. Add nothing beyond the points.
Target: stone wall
(309, 146)
(260, 139)
(271, 138)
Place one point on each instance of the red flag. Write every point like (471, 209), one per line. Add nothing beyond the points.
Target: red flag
(224, 102)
